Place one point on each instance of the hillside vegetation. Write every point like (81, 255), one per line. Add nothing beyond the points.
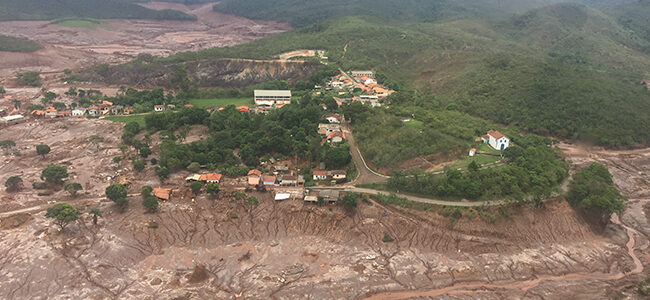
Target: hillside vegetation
(566, 70)
(313, 11)
(98, 9)
(13, 44)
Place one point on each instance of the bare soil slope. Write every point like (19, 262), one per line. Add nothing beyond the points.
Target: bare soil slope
(117, 41)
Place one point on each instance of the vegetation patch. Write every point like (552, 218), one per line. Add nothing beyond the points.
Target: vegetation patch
(221, 102)
(13, 44)
(78, 23)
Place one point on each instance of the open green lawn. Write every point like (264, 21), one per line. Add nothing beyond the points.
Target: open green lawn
(479, 159)
(78, 23)
(413, 123)
(221, 102)
(127, 119)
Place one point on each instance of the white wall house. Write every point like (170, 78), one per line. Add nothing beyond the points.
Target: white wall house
(78, 112)
(496, 140)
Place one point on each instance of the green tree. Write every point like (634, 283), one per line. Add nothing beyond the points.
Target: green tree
(252, 201)
(139, 165)
(54, 174)
(145, 191)
(2, 90)
(63, 214)
(349, 202)
(145, 151)
(14, 184)
(42, 150)
(150, 203)
(73, 188)
(592, 190)
(194, 167)
(196, 187)
(96, 213)
(212, 189)
(7, 145)
(117, 193)
(162, 172)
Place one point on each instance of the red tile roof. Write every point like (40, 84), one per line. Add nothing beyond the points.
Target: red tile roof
(495, 134)
(210, 177)
(242, 108)
(319, 172)
(255, 172)
(162, 193)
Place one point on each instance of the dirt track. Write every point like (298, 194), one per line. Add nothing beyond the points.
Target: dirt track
(117, 41)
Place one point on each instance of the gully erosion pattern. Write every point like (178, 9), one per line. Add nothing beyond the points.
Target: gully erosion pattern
(467, 288)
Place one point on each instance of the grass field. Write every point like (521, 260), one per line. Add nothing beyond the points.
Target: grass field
(78, 23)
(221, 102)
(127, 119)
(479, 159)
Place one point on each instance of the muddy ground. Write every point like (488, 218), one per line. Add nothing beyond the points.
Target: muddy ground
(118, 41)
(223, 249)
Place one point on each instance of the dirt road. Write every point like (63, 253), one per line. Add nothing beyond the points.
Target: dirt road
(366, 174)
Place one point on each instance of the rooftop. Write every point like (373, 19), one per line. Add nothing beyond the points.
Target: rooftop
(272, 93)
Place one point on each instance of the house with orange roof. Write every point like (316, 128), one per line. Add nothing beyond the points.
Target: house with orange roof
(38, 113)
(159, 108)
(211, 178)
(50, 111)
(162, 193)
(61, 114)
(319, 175)
(242, 108)
(496, 140)
(472, 152)
(188, 105)
(107, 103)
(254, 177)
(336, 137)
(93, 110)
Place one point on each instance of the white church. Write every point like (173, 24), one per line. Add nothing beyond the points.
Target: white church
(496, 140)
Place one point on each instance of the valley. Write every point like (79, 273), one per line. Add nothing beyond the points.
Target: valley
(250, 153)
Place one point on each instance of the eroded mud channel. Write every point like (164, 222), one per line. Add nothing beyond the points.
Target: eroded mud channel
(222, 249)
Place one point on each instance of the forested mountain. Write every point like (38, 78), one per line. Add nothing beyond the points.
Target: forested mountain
(567, 70)
(98, 9)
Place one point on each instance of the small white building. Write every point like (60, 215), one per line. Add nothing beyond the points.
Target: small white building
(362, 73)
(472, 152)
(496, 140)
(78, 112)
(334, 118)
(159, 108)
(319, 175)
(14, 119)
(267, 99)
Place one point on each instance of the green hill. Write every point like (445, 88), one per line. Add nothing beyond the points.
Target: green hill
(98, 9)
(12, 44)
(566, 70)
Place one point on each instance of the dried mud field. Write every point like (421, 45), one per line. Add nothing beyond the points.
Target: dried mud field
(117, 41)
(203, 248)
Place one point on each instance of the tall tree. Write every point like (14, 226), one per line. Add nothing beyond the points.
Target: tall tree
(43, 150)
(14, 184)
(54, 174)
(96, 213)
(63, 214)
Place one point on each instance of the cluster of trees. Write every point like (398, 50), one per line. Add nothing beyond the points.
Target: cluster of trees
(534, 170)
(592, 190)
(29, 78)
(289, 131)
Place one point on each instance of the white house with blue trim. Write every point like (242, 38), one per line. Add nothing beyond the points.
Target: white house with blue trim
(496, 140)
